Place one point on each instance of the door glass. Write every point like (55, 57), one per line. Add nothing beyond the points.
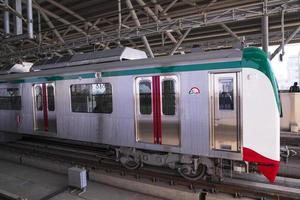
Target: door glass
(38, 98)
(145, 97)
(51, 104)
(168, 97)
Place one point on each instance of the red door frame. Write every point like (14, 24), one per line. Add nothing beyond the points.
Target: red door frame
(156, 108)
(45, 106)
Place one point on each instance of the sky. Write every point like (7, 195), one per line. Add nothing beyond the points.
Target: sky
(280, 68)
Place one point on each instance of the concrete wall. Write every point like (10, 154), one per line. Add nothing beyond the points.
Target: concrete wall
(290, 111)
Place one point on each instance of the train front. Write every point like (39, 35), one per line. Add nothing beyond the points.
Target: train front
(261, 113)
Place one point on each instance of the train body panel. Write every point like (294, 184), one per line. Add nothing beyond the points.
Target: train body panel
(259, 90)
(207, 106)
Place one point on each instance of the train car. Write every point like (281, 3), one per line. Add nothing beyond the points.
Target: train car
(194, 113)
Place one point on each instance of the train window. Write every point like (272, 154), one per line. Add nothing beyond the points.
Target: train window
(226, 94)
(51, 104)
(168, 97)
(91, 98)
(38, 98)
(10, 99)
(145, 97)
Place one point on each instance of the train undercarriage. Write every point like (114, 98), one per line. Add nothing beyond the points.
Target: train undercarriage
(190, 167)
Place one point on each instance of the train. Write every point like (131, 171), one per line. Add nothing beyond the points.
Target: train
(194, 113)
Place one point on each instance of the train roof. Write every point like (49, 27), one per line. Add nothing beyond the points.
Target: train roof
(192, 58)
(96, 57)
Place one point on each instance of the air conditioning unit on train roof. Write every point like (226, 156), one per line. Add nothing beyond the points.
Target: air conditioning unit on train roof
(16, 68)
(110, 55)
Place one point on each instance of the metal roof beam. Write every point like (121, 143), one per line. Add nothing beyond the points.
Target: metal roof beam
(56, 17)
(180, 41)
(155, 18)
(52, 27)
(169, 6)
(233, 34)
(138, 24)
(192, 3)
(67, 10)
(164, 12)
(285, 42)
(58, 35)
(212, 2)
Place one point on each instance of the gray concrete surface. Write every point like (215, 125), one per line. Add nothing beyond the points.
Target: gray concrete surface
(125, 183)
(35, 184)
(29, 182)
(96, 191)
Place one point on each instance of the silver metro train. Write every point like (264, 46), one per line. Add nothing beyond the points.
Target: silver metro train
(194, 113)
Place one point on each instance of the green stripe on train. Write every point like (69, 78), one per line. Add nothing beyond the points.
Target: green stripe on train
(170, 69)
(52, 78)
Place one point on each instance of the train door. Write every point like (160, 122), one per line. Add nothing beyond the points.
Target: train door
(44, 107)
(157, 117)
(225, 112)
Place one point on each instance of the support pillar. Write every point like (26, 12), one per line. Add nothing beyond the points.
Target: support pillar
(18, 20)
(6, 20)
(29, 19)
(265, 28)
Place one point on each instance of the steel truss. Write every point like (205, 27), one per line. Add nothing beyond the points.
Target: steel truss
(164, 27)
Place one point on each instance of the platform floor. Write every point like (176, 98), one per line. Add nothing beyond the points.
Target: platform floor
(37, 184)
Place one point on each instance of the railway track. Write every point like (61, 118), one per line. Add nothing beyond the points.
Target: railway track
(103, 159)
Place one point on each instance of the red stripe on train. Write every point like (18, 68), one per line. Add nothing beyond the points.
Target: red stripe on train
(154, 108)
(45, 106)
(158, 111)
(266, 166)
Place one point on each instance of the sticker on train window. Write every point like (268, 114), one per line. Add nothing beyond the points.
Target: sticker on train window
(98, 88)
(226, 94)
